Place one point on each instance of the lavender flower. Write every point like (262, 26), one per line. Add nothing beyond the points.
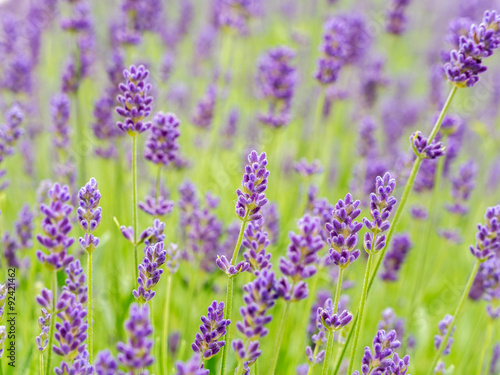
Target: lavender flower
(465, 63)
(330, 320)
(204, 112)
(135, 354)
(494, 360)
(271, 224)
(395, 257)
(225, 266)
(396, 20)
(162, 143)
(343, 231)
(191, 367)
(488, 235)
(444, 326)
(56, 227)
(213, 327)
(381, 206)
(276, 80)
(255, 240)
(462, 186)
(60, 111)
(105, 364)
(150, 272)
(42, 340)
(424, 150)
(134, 100)
(306, 169)
(10, 247)
(156, 206)
(89, 214)
(251, 197)
(390, 321)
(24, 227)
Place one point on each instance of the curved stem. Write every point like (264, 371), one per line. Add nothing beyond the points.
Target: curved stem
(166, 317)
(229, 295)
(134, 192)
(52, 320)
(90, 310)
(277, 348)
(487, 341)
(465, 293)
(357, 328)
(329, 345)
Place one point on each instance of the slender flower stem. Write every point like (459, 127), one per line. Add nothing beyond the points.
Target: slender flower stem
(166, 317)
(329, 345)
(40, 361)
(315, 353)
(158, 178)
(229, 295)
(256, 367)
(82, 167)
(52, 320)
(487, 342)
(134, 192)
(465, 293)
(361, 308)
(90, 309)
(399, 212)
(277, 348)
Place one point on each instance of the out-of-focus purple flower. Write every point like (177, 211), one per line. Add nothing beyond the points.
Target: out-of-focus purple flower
(156, 207)
(235, 14)
(488, 236)
(56, 227)
(135, 354)
(343, 231)
(24, 227)
(462, 186)
(395, 257)
(276, 80)
(134, 100)
(466, 62)
(18, 74)
(396, 21)
(79, 366)
(251, 196)
(451, 235)
(390, 322)
(203, 114)
(271, 222)
(372, 78)
(191, 367)
(423, 149)
(143, 15)
(150, 272)
(167, 63)
(419, 213)
(302, 253)
(381, 205)
(105, 363)
(444, 326)
(10, 247)
(367, 145)
(11, 131)
(327, 71)
(162, 144)
(213, 327)
(42, 340)
(307, 169)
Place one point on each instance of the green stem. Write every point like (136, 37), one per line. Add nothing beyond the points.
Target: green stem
(311, 365)
(80, 141)
(329, 346)
(52, 320)
(90, 310)
(489, 334)
(158, 178)
(465, 293)
(166, 316)
(277, 348)
(40, 361)
(361, 309)
(134, 192)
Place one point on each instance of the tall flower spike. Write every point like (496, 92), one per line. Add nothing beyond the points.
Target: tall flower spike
(56, 227)
(381, 206)
(255, 240)
(89, 214)
(213, 327)
(42, 340)
(24, 227)
(343, 231)
(135, 354)
(396, 21)
(162, 144)
(134, 100)
(251, 197)
(204, 111)
(488, 235)
(150, 272)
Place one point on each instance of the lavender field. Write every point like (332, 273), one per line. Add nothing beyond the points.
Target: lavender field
(250, 187)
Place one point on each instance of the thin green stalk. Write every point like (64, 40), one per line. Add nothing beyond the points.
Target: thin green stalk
(465, 293)
(158, 178)
(361, 309)
(256, 367)
(329, 345)
(166, 317)
(398, 214)
(134, 192)
(486, 345)
(315, 353)
(40, 361)
(82, 166)
(90, 309)
(281, 332)
(229, 295)
(52, 320)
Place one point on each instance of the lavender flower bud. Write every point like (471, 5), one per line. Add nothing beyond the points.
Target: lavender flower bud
(231, 271)
(191, 367)
(42, 340)
(488, 235)
(105, 364)
(150, 272)
(329, 319)
(444, 326)
(424, 150)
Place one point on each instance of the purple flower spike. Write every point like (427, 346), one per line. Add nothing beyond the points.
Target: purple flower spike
(134, 100)
(444, 326)
(162, 144)
(75, 283)
(381, 206)
(42, 340)
(302, 253)
(191, 367)
(343, 231)
(89, 214)
(395, 19)
(24, 227)
(150, 272)
(213, 327)
(424, 150)
(79, 366)
(462, 186)
(135, 353)
(56, 226)
(394, 258)
(307, 169)
(251, 197)
(204, 112)
(156, 207)
(487, 236)
(225, 266)
(105, 363)
(332, 321)
(153, 234)
(255, 240)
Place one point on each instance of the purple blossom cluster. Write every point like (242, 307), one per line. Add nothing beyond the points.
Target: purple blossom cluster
(488, 236)
(256, 241)
(204, 111)
(462, 186)
(10, 132)
(150, 272)
(443, 326)
(396, 21)
(424, 149)
(89, 214)
(395, 257)
(162, 144)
